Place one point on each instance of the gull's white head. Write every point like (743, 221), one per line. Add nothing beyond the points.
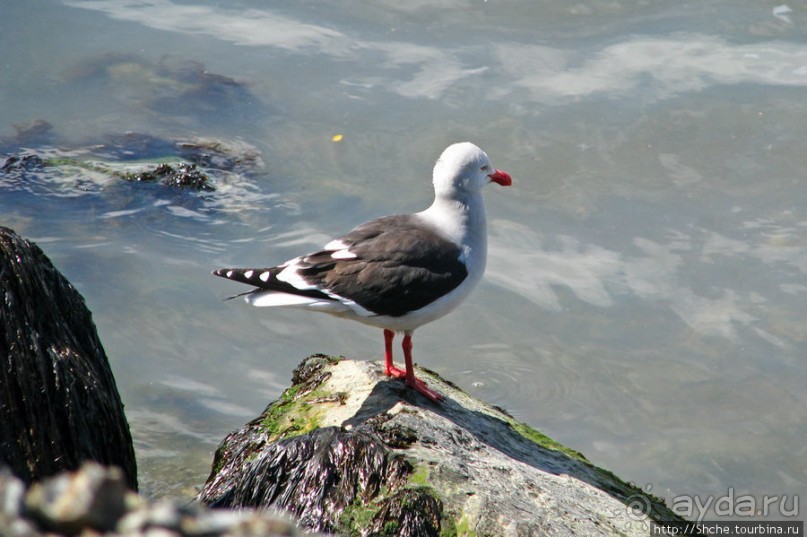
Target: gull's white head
(464, 169)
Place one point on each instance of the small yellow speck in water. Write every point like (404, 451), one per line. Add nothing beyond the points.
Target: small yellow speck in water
(336, 138)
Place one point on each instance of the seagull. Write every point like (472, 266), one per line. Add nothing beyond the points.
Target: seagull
(396, 272)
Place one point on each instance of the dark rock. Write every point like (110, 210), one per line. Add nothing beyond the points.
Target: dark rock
(348, 450)
(18, 164)
(179, 174)
(188, 164)
(410, 512)
(59, 404)
(314, 476)
(182, 175)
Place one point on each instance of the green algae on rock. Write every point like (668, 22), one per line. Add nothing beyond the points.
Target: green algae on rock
(348, 450)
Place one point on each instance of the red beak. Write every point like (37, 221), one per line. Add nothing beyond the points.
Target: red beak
(500, 177)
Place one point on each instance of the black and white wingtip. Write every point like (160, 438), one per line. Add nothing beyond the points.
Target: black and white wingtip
(251, 276)
(269, 290)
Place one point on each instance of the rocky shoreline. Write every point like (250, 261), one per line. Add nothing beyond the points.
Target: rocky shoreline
(96, 500)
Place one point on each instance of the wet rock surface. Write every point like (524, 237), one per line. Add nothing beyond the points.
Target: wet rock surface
(350, 451)
(59, 404)
(182, 175)
(185, 164)
(136, 175)
(95, 500)
(179, 174)
(316, 477)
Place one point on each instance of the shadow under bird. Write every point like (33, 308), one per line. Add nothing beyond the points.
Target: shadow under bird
(396, 272)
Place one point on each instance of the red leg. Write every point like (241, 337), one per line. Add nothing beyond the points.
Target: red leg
(390, 368)
(411, 380)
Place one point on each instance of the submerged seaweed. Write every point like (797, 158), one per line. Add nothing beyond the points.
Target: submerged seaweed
(182, 175)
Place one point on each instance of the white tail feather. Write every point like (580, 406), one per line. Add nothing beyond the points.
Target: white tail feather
(268, 299)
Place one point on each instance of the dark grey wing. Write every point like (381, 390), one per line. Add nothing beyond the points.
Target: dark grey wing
(399, 266)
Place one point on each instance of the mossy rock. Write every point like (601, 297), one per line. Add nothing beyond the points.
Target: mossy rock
(347, 450)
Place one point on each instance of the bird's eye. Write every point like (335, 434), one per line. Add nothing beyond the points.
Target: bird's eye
(485, 168)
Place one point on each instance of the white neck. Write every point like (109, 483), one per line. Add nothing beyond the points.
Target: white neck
(462, 221)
